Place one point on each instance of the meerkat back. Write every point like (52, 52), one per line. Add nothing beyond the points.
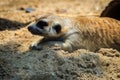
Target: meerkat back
(99, 32)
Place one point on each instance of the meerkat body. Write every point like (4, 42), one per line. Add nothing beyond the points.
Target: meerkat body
(71, 33)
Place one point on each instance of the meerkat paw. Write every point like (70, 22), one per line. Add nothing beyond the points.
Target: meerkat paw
(35, 46)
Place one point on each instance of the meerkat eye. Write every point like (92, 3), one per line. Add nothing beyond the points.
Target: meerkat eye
(41, 24)
(57, 28)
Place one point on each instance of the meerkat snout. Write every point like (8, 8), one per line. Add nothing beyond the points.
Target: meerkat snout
(34, 30)
(38, 28)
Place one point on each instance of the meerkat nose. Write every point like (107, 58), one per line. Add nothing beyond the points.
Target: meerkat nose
(30, 28)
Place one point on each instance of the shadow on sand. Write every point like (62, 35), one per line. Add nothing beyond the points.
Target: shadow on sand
(6, 24)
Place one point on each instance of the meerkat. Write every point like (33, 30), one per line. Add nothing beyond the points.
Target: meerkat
(71, 33)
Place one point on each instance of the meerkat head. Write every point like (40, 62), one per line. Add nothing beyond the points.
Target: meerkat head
(49, 26)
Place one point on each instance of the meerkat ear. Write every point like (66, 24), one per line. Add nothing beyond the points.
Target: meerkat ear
(57, 28)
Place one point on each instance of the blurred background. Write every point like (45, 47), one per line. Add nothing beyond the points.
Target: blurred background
(16, 9)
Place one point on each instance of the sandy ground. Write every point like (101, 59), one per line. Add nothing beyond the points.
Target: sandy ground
(17, 62)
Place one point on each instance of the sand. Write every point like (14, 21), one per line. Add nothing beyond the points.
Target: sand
(17, 62)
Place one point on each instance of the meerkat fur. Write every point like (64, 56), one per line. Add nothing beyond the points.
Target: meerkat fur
(71, 33)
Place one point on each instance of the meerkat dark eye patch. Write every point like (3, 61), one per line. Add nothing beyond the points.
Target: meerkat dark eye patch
(57, 28)
(41, 24)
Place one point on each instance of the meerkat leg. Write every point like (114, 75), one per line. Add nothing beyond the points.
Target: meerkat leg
(67, 45)
(46, 43)
(36, 45)
(52, 44)
(43, 45)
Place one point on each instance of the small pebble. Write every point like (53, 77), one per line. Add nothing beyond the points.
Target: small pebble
(29, 10)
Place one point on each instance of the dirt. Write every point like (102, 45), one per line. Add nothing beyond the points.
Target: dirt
(17, 62)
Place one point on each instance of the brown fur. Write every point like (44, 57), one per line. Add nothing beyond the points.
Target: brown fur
(99, 32)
